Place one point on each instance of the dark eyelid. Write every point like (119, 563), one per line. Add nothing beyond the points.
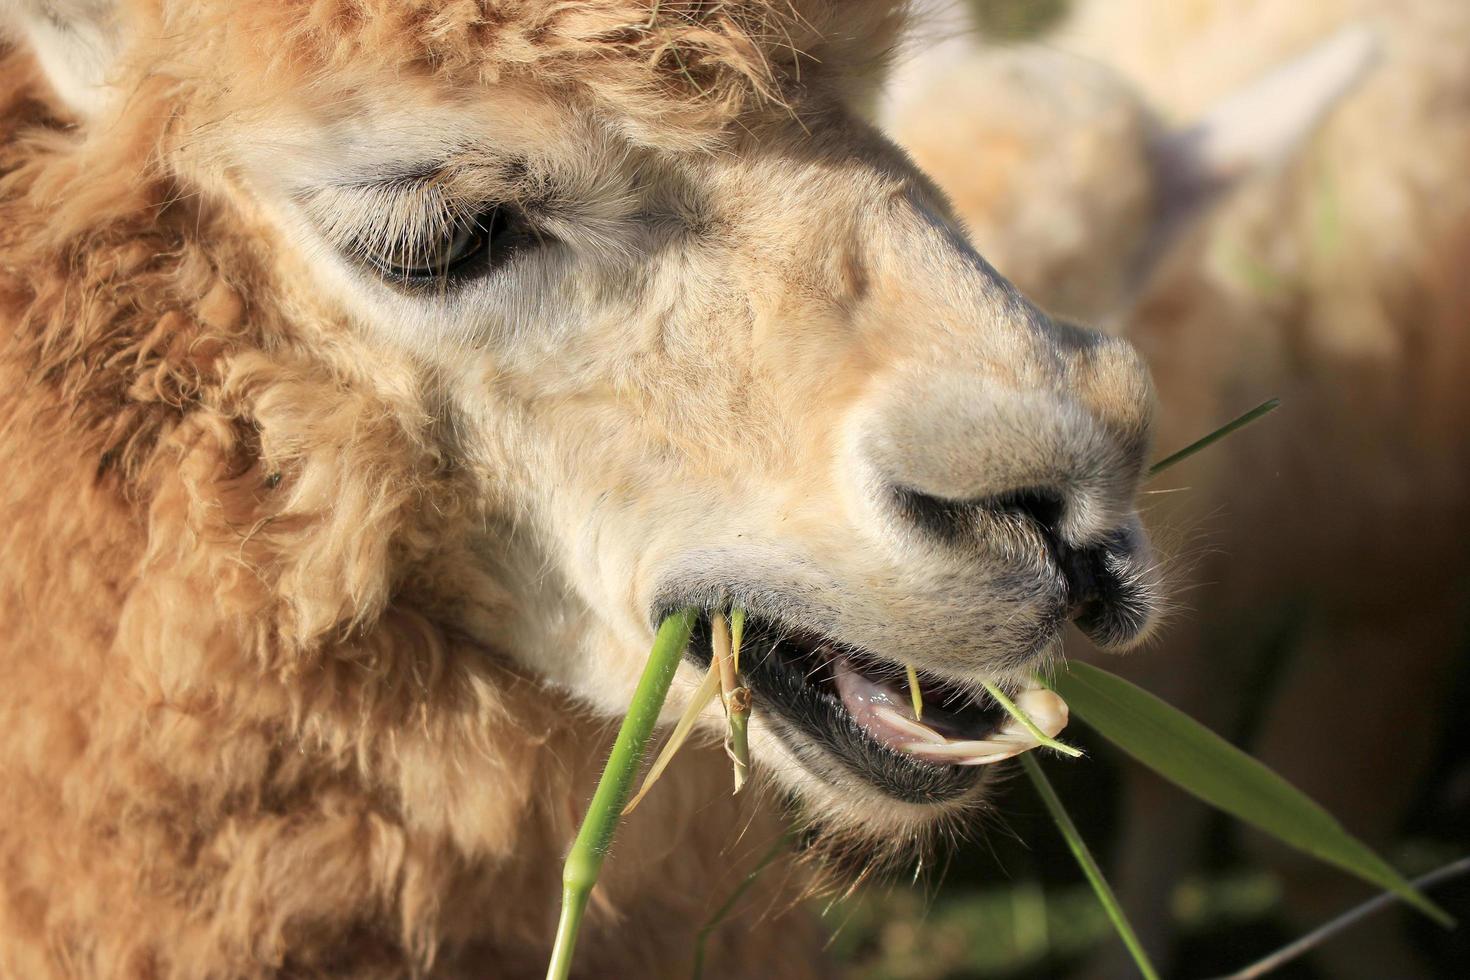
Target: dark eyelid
(503, 233)
(418, 205)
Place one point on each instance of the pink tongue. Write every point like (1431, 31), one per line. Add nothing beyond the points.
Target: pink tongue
(881, 711)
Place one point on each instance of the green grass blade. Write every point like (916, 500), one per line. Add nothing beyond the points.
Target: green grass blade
(701, 940)
(737, 634)
(1089, 867)
(708, 690)
(1205, 765)
(1265, 408)
(584, 861)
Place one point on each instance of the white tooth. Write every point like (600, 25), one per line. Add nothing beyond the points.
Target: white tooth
(988, 752)
(1043, 707)
(979, 747)
(985, 760)
(1005, 744)
(907, 725)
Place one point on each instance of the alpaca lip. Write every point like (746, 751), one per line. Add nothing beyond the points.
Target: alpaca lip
(831, 702)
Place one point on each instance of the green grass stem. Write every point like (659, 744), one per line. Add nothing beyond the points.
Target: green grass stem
(708, 690)
(1015, 712)
(1265, 408)
(584, 861)
(1094, 874)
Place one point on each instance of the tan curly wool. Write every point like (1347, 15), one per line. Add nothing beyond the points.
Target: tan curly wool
(238, 739)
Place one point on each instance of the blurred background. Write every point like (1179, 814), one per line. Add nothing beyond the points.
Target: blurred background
(1272, 200)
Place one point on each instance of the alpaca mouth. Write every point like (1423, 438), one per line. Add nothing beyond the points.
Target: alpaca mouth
(844, 712)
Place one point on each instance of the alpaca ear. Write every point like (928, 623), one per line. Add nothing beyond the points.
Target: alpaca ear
(1261, 125)
(1255, 129)
(76, 43)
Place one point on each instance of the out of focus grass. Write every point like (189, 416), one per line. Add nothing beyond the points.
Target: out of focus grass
(1025, 929)
(1018, 20)
(1015, 929)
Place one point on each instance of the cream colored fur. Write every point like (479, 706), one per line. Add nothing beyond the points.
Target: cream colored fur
(321, 597)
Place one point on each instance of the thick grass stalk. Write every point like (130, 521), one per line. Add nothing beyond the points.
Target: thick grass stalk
(1089, 866)
(584, 861)
(1015, 712)
(1265, 408)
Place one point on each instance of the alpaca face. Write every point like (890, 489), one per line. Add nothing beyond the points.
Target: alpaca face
(752, 362)
(774, 376)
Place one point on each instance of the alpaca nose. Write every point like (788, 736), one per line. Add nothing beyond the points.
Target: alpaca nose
(1064, 460)
(1093, 581)
(1064, 457)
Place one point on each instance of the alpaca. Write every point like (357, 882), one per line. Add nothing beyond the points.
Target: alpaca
(377, 374)
(1327, 277)
(1067, 175)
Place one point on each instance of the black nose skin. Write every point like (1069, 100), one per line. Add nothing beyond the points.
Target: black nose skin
(1110, 601)
(1104, 598)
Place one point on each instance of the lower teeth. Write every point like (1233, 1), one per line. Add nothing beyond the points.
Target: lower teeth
(886, 716)
(1047, 711)
(914, 728)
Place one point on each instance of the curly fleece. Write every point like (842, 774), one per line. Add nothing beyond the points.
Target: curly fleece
(238, 739)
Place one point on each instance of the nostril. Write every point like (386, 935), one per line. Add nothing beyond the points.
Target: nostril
(1087, 576)
(1043, 507)
(1111, 599)
(1108, 589)
(952, 520)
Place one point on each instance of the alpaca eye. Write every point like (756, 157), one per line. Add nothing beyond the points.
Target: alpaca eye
(470, 245)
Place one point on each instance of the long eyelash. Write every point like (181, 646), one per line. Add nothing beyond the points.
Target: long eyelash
(413, 227)
(403, 217)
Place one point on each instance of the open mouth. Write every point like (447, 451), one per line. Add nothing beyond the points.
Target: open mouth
(844, 712)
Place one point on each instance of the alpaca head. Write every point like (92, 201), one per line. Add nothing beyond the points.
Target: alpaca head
(1063, 174)
(692, 331)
